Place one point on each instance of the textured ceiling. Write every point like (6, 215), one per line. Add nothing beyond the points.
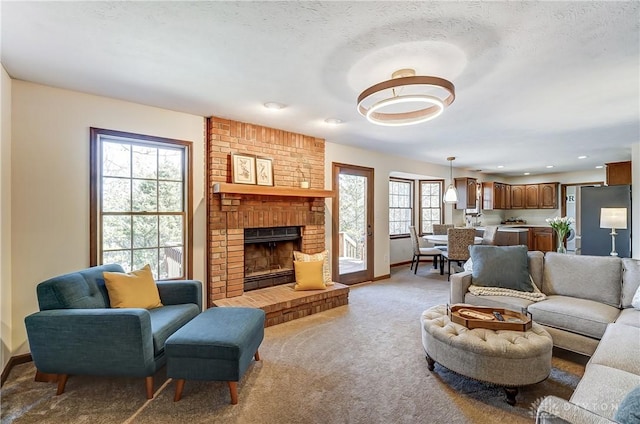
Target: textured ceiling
(537, 83)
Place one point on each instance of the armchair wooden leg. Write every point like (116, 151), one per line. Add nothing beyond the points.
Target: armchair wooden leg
(179, 387)
(257, 356)
(43, 377)
(149, 386)
(62, 381)
(233, 391)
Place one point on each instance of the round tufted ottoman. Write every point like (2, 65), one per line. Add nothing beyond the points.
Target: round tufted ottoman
(502, 357)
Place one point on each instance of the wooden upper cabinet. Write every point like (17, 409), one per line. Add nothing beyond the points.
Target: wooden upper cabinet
(517, 197)
(467, 193)
(618, 173)
(548, 196)
(531, 196)
(494, 196)
(507, 196)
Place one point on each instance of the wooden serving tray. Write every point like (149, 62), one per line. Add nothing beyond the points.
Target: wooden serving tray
(482, 317)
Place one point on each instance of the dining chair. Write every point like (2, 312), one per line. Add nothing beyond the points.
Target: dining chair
(458, 242)
(418, 252)
(441, 230)
(489, 235)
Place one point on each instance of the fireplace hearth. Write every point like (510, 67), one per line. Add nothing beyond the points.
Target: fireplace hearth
(268, 256)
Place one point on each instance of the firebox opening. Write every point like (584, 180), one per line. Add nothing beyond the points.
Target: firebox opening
(268, 256)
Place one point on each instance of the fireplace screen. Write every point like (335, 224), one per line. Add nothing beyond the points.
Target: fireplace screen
(268, 256)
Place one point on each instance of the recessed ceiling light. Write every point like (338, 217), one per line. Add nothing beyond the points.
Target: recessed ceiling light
(274, 105)
(599, 166)
(500, 166)
(333, 121)
(549, 166)
(582, 157)
(527, 173)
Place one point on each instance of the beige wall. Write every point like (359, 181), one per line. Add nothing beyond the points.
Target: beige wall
(50, 182)
(635, 200)
(5, 217)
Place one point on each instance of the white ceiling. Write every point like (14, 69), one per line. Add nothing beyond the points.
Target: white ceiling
(537, 83)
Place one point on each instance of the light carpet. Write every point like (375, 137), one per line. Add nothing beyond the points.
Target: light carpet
(361, 363)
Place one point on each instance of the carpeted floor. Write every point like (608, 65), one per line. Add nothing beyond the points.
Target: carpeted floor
(361, 363)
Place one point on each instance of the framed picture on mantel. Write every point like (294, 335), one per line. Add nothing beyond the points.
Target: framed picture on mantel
(243, 168)
(264, 171)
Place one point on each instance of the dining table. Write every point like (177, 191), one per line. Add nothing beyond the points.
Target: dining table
(444, 239)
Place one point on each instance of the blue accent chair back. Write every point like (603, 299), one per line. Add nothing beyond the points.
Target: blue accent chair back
(83, 289)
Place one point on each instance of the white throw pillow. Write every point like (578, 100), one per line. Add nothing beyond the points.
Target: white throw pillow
(636, 300)
(468, 266)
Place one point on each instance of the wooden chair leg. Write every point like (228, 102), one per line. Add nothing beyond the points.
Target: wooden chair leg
(62, 381)
(179, 387)
(233, 391)
(415, 269)
(257, 356)
(149, 386)
(42, 377)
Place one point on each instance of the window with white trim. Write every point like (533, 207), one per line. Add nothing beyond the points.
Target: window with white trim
(430, 205)
(400, 207)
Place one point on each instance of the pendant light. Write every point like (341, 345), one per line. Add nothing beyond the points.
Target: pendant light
(451, 195)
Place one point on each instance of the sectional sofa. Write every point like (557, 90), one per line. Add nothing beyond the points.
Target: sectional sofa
(587, 310)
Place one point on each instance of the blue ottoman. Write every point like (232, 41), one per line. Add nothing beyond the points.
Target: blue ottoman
(218, 344)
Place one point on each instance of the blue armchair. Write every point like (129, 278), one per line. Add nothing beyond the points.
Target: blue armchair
(77, 332)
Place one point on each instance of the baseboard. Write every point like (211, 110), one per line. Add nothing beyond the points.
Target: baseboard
(382, 277)
(13, 361)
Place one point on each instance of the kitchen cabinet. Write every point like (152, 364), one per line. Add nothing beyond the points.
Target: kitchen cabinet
(548, 196)
(618, 173)
(512, 237)
(517, 196)
(467, 193)
(542, 239)
(531, 196)
(507, 196)
(493, 196)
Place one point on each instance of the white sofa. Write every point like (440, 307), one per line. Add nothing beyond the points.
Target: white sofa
(587, 310)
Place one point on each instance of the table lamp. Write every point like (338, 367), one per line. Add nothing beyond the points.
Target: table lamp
(613, 218)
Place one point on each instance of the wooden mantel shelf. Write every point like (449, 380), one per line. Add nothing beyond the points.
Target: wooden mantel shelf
(269, 190)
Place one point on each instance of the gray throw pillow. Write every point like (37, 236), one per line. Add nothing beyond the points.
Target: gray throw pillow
(501, 266)
(629, 409)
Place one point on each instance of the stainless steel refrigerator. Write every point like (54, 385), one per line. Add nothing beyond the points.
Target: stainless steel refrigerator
(595, 240)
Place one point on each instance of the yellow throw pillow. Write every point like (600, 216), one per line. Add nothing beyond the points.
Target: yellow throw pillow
(309, 275)
(136, 289)
(322, 256)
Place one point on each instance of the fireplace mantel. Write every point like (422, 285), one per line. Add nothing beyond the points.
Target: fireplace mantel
(248, 189)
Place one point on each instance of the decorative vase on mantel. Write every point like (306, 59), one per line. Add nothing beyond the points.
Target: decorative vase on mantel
(561, 248)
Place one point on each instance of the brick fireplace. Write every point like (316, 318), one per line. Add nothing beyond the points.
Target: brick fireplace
(229, 214)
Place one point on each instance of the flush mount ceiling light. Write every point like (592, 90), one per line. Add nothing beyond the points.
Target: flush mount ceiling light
(451, 195)
(406, 99)
(274, 105)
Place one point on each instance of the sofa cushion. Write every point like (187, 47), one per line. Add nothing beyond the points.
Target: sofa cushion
(629, 409)
(619, 348)
(630, 280)
(573, 314)
(77, 290)
(602, 388)
(166, 320)
(595, 278)
(501, 266)
(629, 316)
